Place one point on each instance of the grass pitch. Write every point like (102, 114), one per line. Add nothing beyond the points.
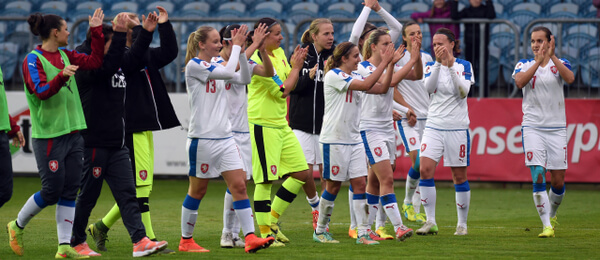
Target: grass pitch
(503, 223)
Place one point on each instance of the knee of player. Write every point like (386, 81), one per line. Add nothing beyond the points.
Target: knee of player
(237, 188)
(538, 174)
(50, 197)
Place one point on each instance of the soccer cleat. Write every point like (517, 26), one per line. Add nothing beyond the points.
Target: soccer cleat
(276, 243)
(409, 212)
(238, 242)
(227, 240)
(428, 228)
(374, 236)
(381, 233)
(100, 237)
(548, 232)
(15, 237)
(84, 249)
(366, 240)
(66, 251)
(554, 221)
(165, 251)
(315, 215)
(421, 218)
(278, 235)
(324, 237)
(254, 243)
(352, 233)
(189, 245)
(403, 232)
(147, 247)
(460, 231)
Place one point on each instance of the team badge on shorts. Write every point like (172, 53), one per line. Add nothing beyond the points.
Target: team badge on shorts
(335, 170)
(204, 168)
(53, 165)
(529, 156)
(423, 147)
(377, 151)
(273, 169)
(97, 171)
(413, 141)
(143, 175)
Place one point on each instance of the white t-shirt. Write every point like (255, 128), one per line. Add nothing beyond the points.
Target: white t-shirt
(448, 110)
(342, 115)
(237, 96)
(413, 91)
(543, 97)
(376, 109)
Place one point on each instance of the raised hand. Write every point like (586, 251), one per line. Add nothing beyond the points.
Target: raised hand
(69, 71)
(541, 53)
(552, 47)
(97, 18)
(298, 57)
(120, 22)
(313, 71)
(398, 54)
(260, 34)
(387, 54)
(149, 23)
(370, 3)
(239, 35)
(163, 15)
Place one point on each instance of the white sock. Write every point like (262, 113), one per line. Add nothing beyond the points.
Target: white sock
(428, 197)
(417, 200)
(229, 215)
(237, 226)
(381, 217)
(463, 199)
(391, 209)
(314, 202)
(351, 206)
(374, 206)
(30, 209)
(555, 201)
(540, 198)
(360, 209)
(65, 213)
(188, 222)
(411, 187)
(325, 210)
(244, 214)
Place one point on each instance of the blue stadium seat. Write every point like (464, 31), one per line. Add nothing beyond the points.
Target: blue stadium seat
(590, 67)
(523, 13)
(583, 35)
(171, 70)
(340, 10)
(54, 7)
(564, 10)
(387, 6)
(502, 36)
(499, 8)
(231, 10)
(493, 66)
(303, 10)
(20, 35)
(119, 7)
(267, 9)
(84, 9)
(3, 30)
(151, 7)
(17, 8)
(9, 53)
(407, 9)
(588, 12)
(194, 9)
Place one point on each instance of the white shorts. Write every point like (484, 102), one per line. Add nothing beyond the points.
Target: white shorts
(343, 162)
(545, 147)
(243, 142)
(310, 146)
(379, 146)
(208, 158)
(411, 135)
(454, 145)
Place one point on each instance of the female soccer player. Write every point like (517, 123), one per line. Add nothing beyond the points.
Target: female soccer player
(544, 123)
(56, 117)
(413, 91)
(211, 148)
(238, 117)
(307, 105)
(448, 80)
(377, 132)
(361, 30)
(276, 151)
(343, 153)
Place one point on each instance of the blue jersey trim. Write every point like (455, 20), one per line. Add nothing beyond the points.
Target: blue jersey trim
(193, 154)
(326, 162)
(211, 68)
(467, 65)
(404, 141)
(363, 134)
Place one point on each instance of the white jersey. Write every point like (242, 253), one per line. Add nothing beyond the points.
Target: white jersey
(342, 107)
(448, 111)
(237, 96)
(543, 97)
(413, 91)
(209, 117)
(376, 109)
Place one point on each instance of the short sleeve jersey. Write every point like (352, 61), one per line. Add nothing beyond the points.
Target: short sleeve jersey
(342, 109)
(238, 101)
(376, 109)
(413, 91)
(543, 97)
(448, 111)
(209, 111)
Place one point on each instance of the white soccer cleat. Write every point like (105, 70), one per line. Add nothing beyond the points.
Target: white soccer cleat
(227, 240)
(460, 231)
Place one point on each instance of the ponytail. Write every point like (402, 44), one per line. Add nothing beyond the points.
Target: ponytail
(41, 25)
(335, 60)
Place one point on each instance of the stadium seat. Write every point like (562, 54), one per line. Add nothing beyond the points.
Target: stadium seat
(564, 10)
(17, 8)
(9, 53)
(589, 12)
(410, 8)
(499, 8)
(231, 10)
(267, 9)
(54, 7)
(3, 30)
(503, 36)
(119, 7)
(340, 10)
(82, 11)
(194, 9)
(493, 66)
(583, 35)
(387, 6)
(524, 13)
(590, 67)
(20, 35)
(302, 11)
(168, 5)
(171, 70)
